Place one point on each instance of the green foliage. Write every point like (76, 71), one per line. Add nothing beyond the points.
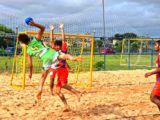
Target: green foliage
(118, 46)
(2, 50)
(134, 46)
(129, 35)
(98, 43)
(118, 36)
(5, 29)
(99, 65)
(6, 40)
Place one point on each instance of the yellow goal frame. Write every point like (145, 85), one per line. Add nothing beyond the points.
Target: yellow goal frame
(46, 34)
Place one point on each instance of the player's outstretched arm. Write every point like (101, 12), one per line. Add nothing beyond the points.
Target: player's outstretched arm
(69, 57)
(61, 26)
(152, 72)
(52, 34)
(41, 29)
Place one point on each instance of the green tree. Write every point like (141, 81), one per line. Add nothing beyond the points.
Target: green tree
(2, 50)
(118, 36)
(98, 44)
(129, 35)
(5, 39)
(5, 29)
(135, 46)
(118, 46)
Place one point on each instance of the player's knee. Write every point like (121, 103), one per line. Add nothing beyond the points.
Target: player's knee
(57, 91)
(44, 75)
(51, 85)
(52, 80)
(63, 84)
(152, 98)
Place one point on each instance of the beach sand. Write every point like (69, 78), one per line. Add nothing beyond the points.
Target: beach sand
(120, 95)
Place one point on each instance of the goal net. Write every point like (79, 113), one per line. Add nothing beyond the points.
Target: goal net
(138, 52)
(78, 44)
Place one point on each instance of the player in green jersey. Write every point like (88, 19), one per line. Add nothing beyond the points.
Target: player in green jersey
(48, 56)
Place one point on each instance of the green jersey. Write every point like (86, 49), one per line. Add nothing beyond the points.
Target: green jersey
(36, 48)
(47, 55)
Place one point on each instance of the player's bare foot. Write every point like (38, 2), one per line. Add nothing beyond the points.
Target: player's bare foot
(37, 103)
(38, 99)
(71, 70)
(38, 96)
(53, 93)
(79, 96)
(66, 109)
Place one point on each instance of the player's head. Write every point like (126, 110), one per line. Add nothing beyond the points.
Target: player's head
(23, 38)
(58, 45)
(157, 46)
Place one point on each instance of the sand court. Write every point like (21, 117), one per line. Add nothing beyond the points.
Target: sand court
(115, 95)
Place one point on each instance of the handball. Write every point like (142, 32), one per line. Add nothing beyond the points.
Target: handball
(27, 20)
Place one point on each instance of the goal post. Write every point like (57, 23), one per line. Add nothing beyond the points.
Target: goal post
(19, 62)
(78, 44)
(138, 52)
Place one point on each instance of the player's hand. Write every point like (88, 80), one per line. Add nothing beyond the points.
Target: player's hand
(79, 59)
(147, 74)
(61, 26)
(71, 70)
(51, 27)
(31, 23)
